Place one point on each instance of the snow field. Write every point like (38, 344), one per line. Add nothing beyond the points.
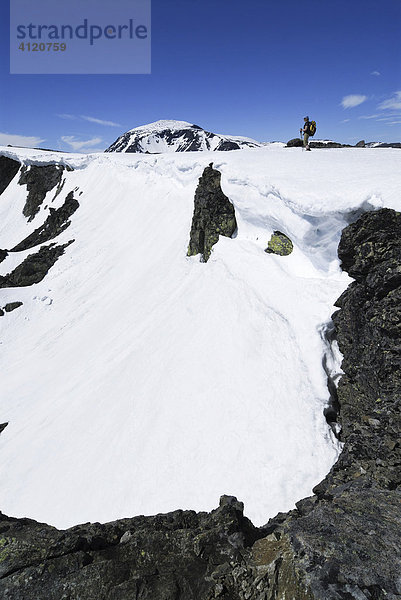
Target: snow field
(137, 380)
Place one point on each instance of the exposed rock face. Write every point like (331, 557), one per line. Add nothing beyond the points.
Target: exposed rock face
(176, 136)
(178, 555)
(8, 170)
(39, 180)
(341, 544)
(56, 223)
(279, 244)
(34, 268)
(214, 215)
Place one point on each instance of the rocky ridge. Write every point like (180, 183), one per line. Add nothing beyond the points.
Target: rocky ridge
(342, 543)
(298, 143)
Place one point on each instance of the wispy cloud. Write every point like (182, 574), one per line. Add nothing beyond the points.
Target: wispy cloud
(90, 119)
(67, 116)
(345, 121)
(368, 117)
(353, 100)
(85, 145)
(393, 103)
(100, 121)
(19, 140)
(376, 73)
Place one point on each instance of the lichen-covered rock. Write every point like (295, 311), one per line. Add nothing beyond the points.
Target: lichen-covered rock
(214, 215)
(179, 555)
(39, 180)
(279, 244)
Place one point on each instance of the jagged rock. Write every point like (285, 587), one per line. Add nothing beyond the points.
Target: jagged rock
(3, 426)
(179, 555)
(360, 144)
(39, 180)
(279, 244)
(3, 255)
(34, 268)
(56, 223)
(12, 306)
(214, 215)
(8, 170)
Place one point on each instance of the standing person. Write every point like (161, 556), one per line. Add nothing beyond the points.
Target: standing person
(306, 131)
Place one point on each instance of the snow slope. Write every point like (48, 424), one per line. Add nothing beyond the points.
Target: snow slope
(138, 380)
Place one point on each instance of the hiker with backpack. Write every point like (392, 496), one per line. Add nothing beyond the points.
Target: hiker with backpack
(308, 130)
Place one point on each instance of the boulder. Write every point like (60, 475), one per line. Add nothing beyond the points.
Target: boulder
(214, 215)
(295, 143)
(279, 244)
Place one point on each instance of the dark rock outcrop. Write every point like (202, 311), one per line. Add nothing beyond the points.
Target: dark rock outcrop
(56, 223)
(179, 555)
(343, 543)
(279, 244)
(8, 170)
(39, 180)
(34, 268)
(12, 306)
(214, 215)
(295, 143)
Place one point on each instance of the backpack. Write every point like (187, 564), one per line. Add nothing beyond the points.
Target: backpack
(312, 128)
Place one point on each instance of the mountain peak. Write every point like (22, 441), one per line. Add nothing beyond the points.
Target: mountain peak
(164, 124)
(176, 136)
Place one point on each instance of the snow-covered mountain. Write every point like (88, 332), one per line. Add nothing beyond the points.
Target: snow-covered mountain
(136, 379)
(176, 136)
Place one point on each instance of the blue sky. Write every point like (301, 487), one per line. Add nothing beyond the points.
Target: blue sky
(252, 68)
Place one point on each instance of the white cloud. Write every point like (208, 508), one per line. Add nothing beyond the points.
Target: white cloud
(368, 117)
(100, 121)
(376, 73)
(90, 119)
(86, 145)
(345, 121)
(353, 100)
(19, 140)
(393, 103)
(67, 116)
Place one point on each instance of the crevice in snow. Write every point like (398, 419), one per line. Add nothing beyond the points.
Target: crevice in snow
(332, 359)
